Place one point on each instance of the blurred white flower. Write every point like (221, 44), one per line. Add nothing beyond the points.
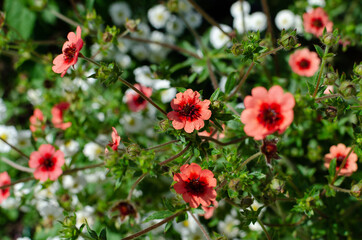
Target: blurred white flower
(239, 25)
(158, 16)
(100, 116)
(89, 73)
(184, 6)
(285, 19)
(237, 9)
(229, 227)
(123, 60)
(194, 19)
(298, 24)
(23, 238)
(119, 12)
(143, 31)
(35, 96)
(257, 22)
(95, 176)
(143, 75)
(92, 151)
(158, 37)
(74, 184)
(217, 37)
(3, 110)
(186, 228)
(140, 51)
(175, 26)
(80, 84)
(50, 210)
(158, 56)
(255, 227)
(222, 83)
(9, 134)
(123, 45)
(319, 3)
(24, 138)
(87, 213)
(133, 122)
(10, 203)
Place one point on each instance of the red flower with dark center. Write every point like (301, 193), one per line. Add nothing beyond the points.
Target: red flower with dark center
(4, 180)
(270, 150)
(267, 111)
(57, 119)
(37, 121)
(125, 209)
(339, 152)
(189, 112)
(195, 185)
(315, 21)
(209, 211)
(47, 163)
(304, 62)
(134, 101)
(116, 139)
(70, 53)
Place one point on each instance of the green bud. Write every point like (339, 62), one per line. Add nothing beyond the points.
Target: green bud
(107, 37)
(288, 40)
(329, 39)
(348, 89)
(164, 124)
(358, 70)
(133, 150)
(216, 105)
(331, 112)
(330, 78)
(246, 202)
(237, 49)
(356, 190)
(277, 185)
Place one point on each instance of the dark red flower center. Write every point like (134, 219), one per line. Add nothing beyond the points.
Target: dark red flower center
(48, 163)
(6, 190)
(304, 63)
(340, 159)
(190, 111)
(195, 186)
(270, 115)
(69, 53)
(317, 22)
(125, 209)
(270, 150)
(139, 100)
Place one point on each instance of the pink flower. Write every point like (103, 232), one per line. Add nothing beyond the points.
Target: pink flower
(340, 152)
(189, 112)
(304, 62)
(47, 162)
(70, 53)
(315, 21)
(57, 119)
(37, 121)
(195, 185)
(213, 133)
(209, 211)
(329, 90)
(4, 180)
(115, 141)
(134, 101)
(267, 111)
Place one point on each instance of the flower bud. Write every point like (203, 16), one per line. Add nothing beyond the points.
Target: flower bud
(331, 112)
(237, 49)
(164, 124)
(329, 39)
(270, 150)
(246, 202)
(358, 70)
(288, 40)
(348, 89)
(125, 209)
(107, 37)
(216, 105)
(330, 78)
(133, 150)
(356, 190)
(132, 25)
(277, 185)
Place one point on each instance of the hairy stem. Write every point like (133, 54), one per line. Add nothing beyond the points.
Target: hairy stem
(162, 145)
(134, 186)
(327, 97)
(242, 81)
(15, 148)
(17, 166)
(64, 18)
(89, 59)
(175, 156)
(321, 71)
(252, 157)
(222, 143)
(338, 189)
(200, 226)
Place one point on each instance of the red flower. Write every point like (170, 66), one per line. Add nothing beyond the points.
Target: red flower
(315, 21)
(37, 120)
(115, 141)
(125, 209)
(195, 185)
(47, 162)
(339, 152)
(134, 101)
(4, 180)
(209, 211)
(70, 53)
(213, 133)
(57, 112)
(189, 112)
(267, 111)
(304, 62)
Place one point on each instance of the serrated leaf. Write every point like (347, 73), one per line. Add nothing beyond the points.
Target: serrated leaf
(167, 203)
(230, 82)
(159, 215)
(197, 211)
(215, 95)
(91, 232)
(332, 168)
(319, 50)
(103, 234)
(339, 181)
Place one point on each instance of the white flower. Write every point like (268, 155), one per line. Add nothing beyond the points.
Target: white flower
(49, 210)
(187, 227)
(184, 6)
(81, 84)
(257, 22)
(229, 226)
(143, 76)
(298, 24)
(69, 147)
(87, 213)
(143, 31)
(217, 37)
(255, 227)
(24, 137)
(158, 37)
(92, 151)
(95, 52)
(237, 10)
(168, 94)
(9, 134)
(239, 25)
(100, 116)
(319, 3)
(10, 203)
(3, 110)
(140, 51)
(123, 45)
(23, 238)
(158, 16)
(119, 12)
(103, 139)
(175, 26)
(123, 60)
(158, 56)
(89, 73)
(133, 122)
(285, 19)
(35, 96)
(95, 177)
(74, 184)
(222, 83)
(194, 19)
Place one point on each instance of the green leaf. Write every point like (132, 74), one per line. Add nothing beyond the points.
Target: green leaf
(320, 51)
(20, 18)
(103, 234)
(230, 82)
(167, 227)
(215, 95)
(182, 217)
(332, 168)
(91, 232)
(339, 181)
(224, 116)
(159, 215)
(89, 4)
(167, 203)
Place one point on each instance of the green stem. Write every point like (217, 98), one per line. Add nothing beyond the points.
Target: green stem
(321, 71)
(17, 166)
(327, 97)
(162, 145)
(143, 96)
(241, 82)
(249, 160)
(264, 229)
(134, 185)
(340, 189)
(201, 227)
(222, 143)
(175, 156)
(64, 18)
(88, 59)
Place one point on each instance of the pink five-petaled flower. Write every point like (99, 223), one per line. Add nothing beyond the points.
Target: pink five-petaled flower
(267, 111)
(315, 21)
(195, 185)
(116, 139)
(304, 62)
(339, 152)
(70, 53)
(47, 162)
(134, 101)
(37, 120)
(4, 180)
(57, 113)
(189, 112)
